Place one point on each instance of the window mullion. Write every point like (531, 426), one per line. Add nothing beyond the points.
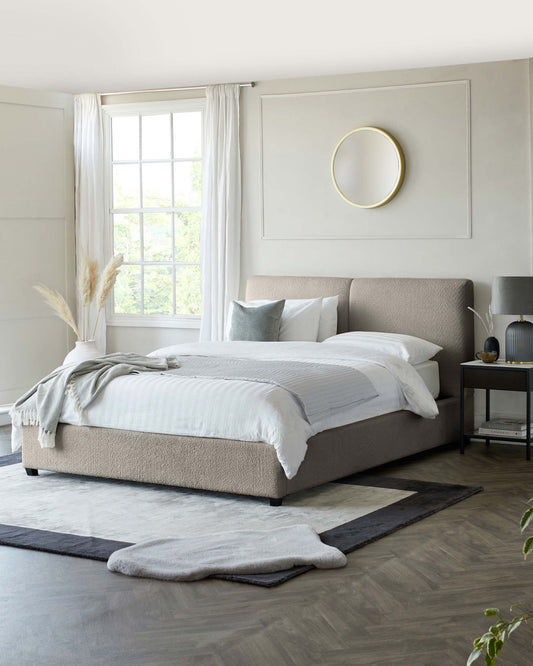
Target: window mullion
(173, 215)
(141, 214)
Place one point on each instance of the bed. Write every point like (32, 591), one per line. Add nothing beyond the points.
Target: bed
(432, 309)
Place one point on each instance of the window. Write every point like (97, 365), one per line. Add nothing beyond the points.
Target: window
(155, 176)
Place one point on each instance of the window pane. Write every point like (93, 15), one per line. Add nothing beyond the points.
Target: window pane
(187, 236)
(127, 236)
(126, 186)
(188, 292)
(187, 134)
(125, 131)
(128, 290)
(157, 228)
(158, 290)
(187, 183)
(156, 137)
(157, 185)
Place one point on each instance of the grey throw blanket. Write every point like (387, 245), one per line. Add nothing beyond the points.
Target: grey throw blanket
(320, 389)
(247, 551)
(42, 404)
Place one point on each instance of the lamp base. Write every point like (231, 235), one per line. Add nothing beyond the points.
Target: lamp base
(519, 342)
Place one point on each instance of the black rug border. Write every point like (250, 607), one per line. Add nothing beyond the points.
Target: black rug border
(429, 498)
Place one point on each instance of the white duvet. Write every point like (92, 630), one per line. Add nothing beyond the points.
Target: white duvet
(249, 411)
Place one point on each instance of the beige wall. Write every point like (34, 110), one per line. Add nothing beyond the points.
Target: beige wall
(36, 233)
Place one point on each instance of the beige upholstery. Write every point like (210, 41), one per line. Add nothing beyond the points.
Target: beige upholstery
(432, 309)
(435, 310)
(246, 468)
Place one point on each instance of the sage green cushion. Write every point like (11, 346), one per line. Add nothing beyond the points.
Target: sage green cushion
(259, 323)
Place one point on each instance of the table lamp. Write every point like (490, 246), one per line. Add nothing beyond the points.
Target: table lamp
(514, 296)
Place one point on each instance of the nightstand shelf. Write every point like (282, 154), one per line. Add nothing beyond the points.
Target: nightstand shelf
(499, 376)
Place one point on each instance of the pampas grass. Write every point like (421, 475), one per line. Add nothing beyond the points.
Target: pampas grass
(88, 279)
(59, 305)
(488, 322)
(107, 282)
(87, 283)
(89, 289)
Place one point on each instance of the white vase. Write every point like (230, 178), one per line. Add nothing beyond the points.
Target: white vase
(83, 351)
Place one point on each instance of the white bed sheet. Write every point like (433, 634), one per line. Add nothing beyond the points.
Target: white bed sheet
(429, 372)
(242, 410)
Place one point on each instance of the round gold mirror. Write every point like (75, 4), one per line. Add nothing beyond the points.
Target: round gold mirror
(368, 167)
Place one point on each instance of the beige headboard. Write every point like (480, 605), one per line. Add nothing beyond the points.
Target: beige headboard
(431, 308)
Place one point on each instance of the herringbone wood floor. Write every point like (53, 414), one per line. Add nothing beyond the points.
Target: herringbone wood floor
(412, 598)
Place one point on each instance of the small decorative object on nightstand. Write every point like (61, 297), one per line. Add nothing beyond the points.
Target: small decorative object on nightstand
(500, 377)
(487, 356)
(514, 296)
(491, 343)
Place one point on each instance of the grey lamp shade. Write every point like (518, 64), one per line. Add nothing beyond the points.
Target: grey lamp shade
(512, 295)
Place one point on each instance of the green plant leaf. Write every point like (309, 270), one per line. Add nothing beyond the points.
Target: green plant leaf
(526, 518)
(489, 612)
(514, 624)
(473, 656)
(489, 661)
(528, 546)
(499, 645)
(491, 647)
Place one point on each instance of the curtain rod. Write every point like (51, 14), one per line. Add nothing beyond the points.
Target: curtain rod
(157, 90)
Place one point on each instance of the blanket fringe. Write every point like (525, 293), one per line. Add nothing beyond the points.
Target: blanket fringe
(47, 440)
(28, 417)
(24, 417)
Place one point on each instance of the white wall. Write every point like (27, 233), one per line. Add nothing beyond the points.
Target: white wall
(500, 182)
(36, 233)
(501, 234)
(501, 223)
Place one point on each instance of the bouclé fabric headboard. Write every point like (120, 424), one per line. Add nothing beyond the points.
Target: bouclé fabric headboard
(431, 308)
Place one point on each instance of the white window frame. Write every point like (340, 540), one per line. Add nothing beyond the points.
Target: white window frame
(171, 106)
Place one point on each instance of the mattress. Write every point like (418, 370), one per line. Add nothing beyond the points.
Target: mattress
(429, 372)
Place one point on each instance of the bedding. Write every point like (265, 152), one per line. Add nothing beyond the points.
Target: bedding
(303, 319)
(327, 325)
(407, 347)
(82, 382)
(319, 389)
(260, 323)
(168, 403)
(429, 373)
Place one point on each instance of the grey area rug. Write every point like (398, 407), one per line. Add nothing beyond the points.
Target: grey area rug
(348, 514)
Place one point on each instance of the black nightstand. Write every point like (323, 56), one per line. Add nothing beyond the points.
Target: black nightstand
(499, 376)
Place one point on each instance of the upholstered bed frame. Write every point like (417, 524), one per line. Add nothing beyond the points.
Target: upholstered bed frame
(433, 309)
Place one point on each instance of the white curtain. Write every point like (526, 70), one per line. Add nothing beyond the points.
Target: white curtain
(221, 208)
(90, 198)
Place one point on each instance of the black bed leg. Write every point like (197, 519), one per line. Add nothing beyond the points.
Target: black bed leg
(276, 501)
(31, 472)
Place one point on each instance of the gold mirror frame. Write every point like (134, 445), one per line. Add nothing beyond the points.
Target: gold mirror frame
(401, 168)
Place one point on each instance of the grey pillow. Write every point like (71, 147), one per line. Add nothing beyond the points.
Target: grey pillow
(260, 323)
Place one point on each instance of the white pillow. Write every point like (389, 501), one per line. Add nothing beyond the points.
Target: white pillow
(299, 320)
(327, 325)
(328, 318)
(408, 347)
